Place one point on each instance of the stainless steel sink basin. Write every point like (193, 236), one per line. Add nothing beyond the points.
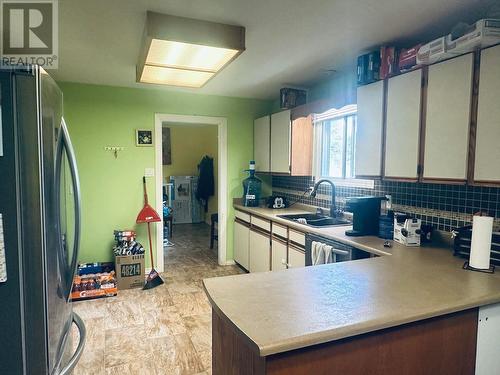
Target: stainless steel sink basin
(314, 220)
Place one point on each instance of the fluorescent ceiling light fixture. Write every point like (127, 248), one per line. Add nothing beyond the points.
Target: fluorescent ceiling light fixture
(186, 52)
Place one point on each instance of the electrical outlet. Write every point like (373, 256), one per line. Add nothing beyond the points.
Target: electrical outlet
(149, 172)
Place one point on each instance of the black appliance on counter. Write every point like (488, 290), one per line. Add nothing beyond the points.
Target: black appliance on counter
(365, 215)
(352, 253)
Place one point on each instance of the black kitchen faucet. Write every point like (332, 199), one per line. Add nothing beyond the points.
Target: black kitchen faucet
(333, 207)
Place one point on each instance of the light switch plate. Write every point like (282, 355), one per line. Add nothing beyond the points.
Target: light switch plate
(149, 172)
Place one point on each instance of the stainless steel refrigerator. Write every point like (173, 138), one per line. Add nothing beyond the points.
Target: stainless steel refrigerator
(39, 227)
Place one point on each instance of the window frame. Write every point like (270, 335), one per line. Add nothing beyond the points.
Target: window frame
(319, 125)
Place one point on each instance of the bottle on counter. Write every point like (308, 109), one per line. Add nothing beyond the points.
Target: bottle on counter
(252, 187)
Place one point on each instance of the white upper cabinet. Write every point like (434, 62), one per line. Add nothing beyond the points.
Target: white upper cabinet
(449, 92)
(280, 142)
(369, 130)
(487, 160)
(403, 125)
(261, 144)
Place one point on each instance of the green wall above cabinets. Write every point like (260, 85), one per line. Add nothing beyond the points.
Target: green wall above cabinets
(100, 116)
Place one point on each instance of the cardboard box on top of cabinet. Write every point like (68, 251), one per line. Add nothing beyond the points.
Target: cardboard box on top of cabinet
(482, 34)
(130, 271)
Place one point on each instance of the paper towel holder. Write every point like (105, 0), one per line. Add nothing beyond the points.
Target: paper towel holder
(468, 267)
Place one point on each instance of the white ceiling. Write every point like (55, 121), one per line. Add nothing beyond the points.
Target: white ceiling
(288, 42)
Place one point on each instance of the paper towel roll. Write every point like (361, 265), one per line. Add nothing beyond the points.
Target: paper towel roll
(482, 228)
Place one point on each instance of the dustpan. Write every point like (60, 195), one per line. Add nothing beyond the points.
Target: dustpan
(149, 215)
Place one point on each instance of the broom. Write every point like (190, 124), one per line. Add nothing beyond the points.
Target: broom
(149, 215)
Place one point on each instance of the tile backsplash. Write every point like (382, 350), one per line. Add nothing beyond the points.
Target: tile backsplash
(446, 207)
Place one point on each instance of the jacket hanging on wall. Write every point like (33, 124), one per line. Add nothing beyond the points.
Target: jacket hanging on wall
(206, 182)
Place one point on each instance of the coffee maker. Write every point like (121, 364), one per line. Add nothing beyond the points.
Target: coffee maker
(365, 215)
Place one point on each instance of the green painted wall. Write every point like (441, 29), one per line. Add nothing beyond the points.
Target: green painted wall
(189, 144)
(100, 116)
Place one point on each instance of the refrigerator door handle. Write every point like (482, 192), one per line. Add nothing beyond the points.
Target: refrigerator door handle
(68, 369)
(64, 145)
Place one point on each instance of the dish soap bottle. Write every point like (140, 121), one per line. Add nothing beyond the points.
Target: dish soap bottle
(251, 188)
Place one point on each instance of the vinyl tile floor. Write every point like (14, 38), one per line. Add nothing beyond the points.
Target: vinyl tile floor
(165, 330)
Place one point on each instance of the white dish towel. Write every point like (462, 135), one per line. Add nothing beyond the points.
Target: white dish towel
(317, 254)
(321, 253)
(327, 250)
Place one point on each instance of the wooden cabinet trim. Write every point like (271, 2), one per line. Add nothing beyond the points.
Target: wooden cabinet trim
(244, 223)
(260, 231)
(293, 246)
(279, 239)
(423, 121)
(384, 129)
(471, 156)
(301, 146)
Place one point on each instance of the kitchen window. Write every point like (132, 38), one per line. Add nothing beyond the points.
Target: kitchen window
(335, 133)
(335, 137)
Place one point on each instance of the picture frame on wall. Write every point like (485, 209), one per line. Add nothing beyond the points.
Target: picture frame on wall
(144, 137)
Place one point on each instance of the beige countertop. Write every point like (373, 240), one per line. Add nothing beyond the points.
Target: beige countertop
(291, 309)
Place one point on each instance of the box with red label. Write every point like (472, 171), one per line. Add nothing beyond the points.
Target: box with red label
(408, 58)
(388, 61)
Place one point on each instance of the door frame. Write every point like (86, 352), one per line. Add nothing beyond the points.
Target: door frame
(221, 123)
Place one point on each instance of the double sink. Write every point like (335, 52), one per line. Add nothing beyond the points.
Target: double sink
(315, 220)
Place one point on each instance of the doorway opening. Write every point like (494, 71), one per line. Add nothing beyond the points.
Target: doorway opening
(189, 140)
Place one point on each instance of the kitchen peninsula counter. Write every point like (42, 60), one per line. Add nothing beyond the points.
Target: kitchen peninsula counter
(292, 310)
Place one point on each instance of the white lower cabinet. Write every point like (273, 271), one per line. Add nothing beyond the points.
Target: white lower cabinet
(296, 257)
(278, 250)
(241, 244)
(259, 252)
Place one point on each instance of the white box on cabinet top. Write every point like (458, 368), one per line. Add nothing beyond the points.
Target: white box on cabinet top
(403, 125)
(369, 129)
(487, 159)
(449, 92)
(280, 142)
(261, 143)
